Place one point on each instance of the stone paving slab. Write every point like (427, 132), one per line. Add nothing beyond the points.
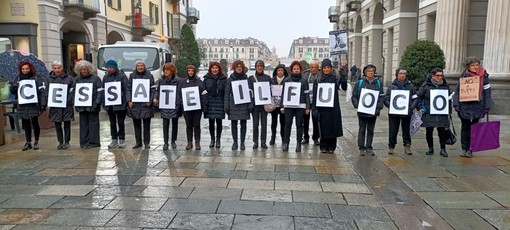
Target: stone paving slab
(136, 203)
(347, 179)
(81, 217)
(297, 176)
(245, 207)
(190, 206)
(170, 192)
(246, 222)
(142, 219)
(225, 174)
(267, 195)
(459, 200)
(69, 180)
(202, 221)
(423, 184)
(30, 201)
(415, 217)
(372, 224)
(42, 227)
(159, 181)
(26, 216)
(21, 179)
(255, 167)
(306, 223)
(362, 199)
(205, 182)
(318, 197)
(298, 185)
(295, 168)
(126, 191)
(498, 218)
(464, 219)
(183, 172)
(216, 194)
(87, 202)
(345, 187)
(115, 179)
(251, 184)
(268, 175)
(67, 190)
(301, 209)
(349, 212)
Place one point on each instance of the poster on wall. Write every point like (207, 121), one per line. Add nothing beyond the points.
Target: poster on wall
(338, 42)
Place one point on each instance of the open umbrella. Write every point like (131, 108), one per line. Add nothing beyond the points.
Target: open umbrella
(9, 61)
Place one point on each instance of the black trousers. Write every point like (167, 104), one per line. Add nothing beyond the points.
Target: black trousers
(306, 127)
(259, 116)
(218, 128)
(137, 123)
(166, 129)
(117, 118)
(27, 126)
(192, 119)
(290, 113)
(274, 122)
(234, 130)
(328, 144)
(89, 128)
(63, 136)
(366, 132)
(395, 122)
(465, 132)
(441, 132)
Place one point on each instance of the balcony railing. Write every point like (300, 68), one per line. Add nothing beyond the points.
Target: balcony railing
(353, 5)
(333, 13)
(193, 15)
(90, 8)
(141, 25)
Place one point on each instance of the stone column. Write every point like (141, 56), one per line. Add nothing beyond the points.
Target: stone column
(496, 57)
(451, 32)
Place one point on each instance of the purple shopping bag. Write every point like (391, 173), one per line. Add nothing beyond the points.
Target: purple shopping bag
(485, 135)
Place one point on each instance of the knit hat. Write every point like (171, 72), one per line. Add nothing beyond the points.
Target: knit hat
(260, 62)
(398, 71)
(111, 63)
(367, 67)
(326, 62)
(139, 61)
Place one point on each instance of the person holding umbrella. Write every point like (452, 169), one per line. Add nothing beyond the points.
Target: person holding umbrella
(28, 110)
(62, 115)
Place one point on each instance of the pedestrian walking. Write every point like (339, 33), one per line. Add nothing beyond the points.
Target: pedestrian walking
(470, 112)
(435, 81)
(354, 72)
(237, 113)
(89, 115)
(117, 113)
(279, 74)
(395, 121)
(367, 121)
(62, 115)
(259, 114)
(215, 83)
(311, 76)
(29, 111)
(169, 78)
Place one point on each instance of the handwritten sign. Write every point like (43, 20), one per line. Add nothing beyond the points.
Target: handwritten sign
(399, 102)
(325, 95)
(469, 89)
(112, 93)
(439, 102)
(167, 96)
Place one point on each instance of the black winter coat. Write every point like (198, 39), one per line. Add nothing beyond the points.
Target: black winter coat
(215, 87)
(240, 111)
(125, 89)
(330, 119)
(260, 78)
(304, 97)
(192, 82)
(27, 111)
(407, 85)
(376, 84)
(474, 109)
(140, 110)
(62, 114)
(97, 93)
(169, 113)
(432, 120)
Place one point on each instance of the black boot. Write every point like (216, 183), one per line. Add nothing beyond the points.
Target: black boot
(443, 153)
(298, 147)
(165, 146)
(27, 146)
(211, 145)
(234, 146)
(305, 141)
(243, 147)
(430, 151)
(285, 147)
(273, 139)
(36, 145)
(218, 142)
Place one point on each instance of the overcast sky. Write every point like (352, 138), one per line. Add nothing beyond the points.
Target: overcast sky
(276, 22)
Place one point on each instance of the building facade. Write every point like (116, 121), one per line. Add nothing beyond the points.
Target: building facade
(309, 48)
(380, 31)
(247, 50)
(67, 30)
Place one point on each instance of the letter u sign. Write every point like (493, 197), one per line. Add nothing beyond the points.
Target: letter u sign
(325, 95)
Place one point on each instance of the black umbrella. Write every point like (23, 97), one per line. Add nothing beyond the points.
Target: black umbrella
(9, 61)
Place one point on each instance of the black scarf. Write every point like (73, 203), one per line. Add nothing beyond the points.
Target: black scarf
(296, 77)
(25, 76)
(238, 75)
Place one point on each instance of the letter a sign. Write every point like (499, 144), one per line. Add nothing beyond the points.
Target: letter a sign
(291, 94)
(191, 98)
(368, 101)
(27, 92)
(57, 95)
(325, 95)
(241, 92)
(140, 91)
(399, 102)
(262, 93)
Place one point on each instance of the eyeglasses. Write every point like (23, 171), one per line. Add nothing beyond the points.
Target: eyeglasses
(439, 75)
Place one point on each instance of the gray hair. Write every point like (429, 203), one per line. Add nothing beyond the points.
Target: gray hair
(314, 62)
(83, 64)
(470, 60)
(56, 63)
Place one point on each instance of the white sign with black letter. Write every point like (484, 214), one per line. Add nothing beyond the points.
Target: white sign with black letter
(191, 98)
(262, 92)
(167, 96)
(112, 93)
(291, 94)
(83, 94)
(241, 92)
(325, 95)
(140, 90)
(399, 102)
(57, 95)
(27, 92)
(368, 101)
(439, 103)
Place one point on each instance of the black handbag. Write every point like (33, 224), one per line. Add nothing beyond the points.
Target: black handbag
(450, 136)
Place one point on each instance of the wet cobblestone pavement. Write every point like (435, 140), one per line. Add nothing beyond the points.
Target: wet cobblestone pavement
(252, 189)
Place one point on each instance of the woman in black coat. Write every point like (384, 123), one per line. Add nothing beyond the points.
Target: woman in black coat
(279, 74)
(259, 114)
(215, 83)
(29, 112)
(239, 112)
(169, 78)
(62, 115)
(330, 118)
(296, 111)
(89, 115)
(142, 112)
(431, 121)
